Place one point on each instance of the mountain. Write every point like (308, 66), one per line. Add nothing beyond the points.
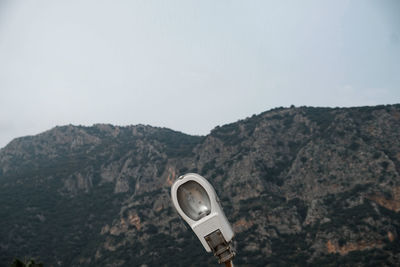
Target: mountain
(301, 186)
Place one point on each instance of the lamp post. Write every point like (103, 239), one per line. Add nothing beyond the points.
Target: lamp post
(197, 203)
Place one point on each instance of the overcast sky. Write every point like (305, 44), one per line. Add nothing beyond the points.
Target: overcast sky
(190, 65)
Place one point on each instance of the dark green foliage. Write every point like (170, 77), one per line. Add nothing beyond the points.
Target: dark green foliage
(177, 144)
(323, 117)
(384, 164)
(249, 204)
(301, 207)
(29, 263)
(63, 221)
(290, 246)
(251, 123)
(18, 263)
(229, 134)
(376, 155)
(208, 166)
(194, 170)
(375, 257)
(294, 146)
(354, 146)
(272, 174)
(151, 229)
(288, 121)
(183, 170)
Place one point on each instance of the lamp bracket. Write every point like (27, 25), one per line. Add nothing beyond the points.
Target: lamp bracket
(221, 249)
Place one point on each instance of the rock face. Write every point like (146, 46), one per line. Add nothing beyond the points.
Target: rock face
(301, 186)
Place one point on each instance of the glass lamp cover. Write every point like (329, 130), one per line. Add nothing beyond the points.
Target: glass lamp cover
(194, 200)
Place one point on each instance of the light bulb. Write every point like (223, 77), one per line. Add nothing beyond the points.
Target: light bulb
(194, 200)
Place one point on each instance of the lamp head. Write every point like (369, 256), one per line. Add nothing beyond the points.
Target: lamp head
(197, 203)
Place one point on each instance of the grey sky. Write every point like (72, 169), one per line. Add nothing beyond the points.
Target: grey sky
(190, 65)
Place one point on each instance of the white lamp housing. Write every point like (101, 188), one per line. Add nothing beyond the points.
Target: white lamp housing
(197, 203)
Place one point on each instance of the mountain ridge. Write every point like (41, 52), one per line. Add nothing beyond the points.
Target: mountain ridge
(300, 185)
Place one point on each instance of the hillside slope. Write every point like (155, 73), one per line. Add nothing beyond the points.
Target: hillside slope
(301, 186)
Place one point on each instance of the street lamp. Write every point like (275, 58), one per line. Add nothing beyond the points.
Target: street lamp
(197, 203)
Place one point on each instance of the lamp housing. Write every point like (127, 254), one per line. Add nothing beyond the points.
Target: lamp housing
(197, 203)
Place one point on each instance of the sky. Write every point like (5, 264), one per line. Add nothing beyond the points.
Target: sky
(190, 65)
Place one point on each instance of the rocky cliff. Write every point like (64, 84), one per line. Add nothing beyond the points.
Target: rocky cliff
(301, 186)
